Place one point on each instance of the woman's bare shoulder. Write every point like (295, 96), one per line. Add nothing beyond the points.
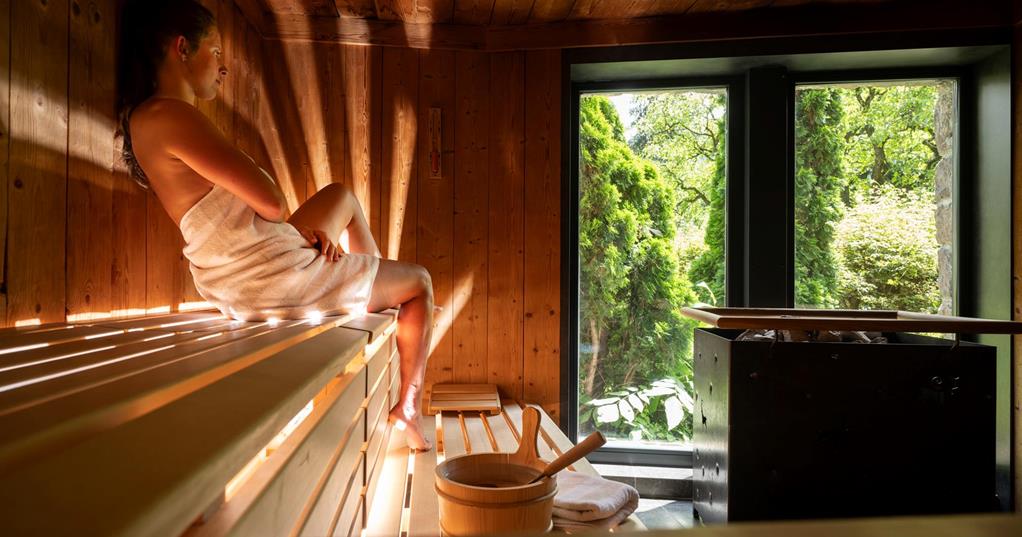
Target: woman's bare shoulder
(163, 115)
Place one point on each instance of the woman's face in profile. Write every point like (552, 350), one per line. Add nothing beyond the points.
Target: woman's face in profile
(206, 70)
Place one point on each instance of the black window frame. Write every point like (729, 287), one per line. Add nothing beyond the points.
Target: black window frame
(743, 280)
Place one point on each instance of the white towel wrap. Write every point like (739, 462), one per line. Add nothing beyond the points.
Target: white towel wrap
(254, 269)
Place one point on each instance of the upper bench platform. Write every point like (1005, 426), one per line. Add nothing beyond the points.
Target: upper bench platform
(145, 426)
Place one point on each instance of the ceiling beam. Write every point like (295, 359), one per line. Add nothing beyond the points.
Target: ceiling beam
(810, 20)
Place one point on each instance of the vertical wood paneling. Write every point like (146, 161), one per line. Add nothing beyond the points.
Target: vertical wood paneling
(37, 217)
(225, 100)
(5, 121)
(90, 166)
(400, 165)
(361, 74)
(436, 205)
(165, 266)
(471, 215)
(542, 229)
(506, 233)
(129, 221)
(280, 122)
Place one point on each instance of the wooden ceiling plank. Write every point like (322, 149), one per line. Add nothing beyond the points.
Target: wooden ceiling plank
(511, 12)
(473, 11)
(627, 9)
(363, 9)
(702, 6)
(551, 10)
(376, 32)
(417, 11)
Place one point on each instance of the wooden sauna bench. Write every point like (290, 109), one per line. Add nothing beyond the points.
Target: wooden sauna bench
(406, 503)
(194, 424)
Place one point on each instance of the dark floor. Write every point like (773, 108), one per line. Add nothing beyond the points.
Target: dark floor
(665, 514)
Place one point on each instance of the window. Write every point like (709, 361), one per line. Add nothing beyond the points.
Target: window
(651, 240)
(874, 184)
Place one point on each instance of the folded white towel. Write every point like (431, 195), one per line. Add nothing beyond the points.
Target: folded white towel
(592, 502)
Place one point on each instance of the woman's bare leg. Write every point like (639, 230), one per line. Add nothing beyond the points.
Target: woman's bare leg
(333, 209)
(410, 287)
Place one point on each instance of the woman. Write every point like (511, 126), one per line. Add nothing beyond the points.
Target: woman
(246, 254)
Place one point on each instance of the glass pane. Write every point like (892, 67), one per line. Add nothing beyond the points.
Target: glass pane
(874, 175)
(651, 240)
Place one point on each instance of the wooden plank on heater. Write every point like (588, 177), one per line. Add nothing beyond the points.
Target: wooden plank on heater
(471, 217)
(5, 139)
(506, 221)
(550, 10)
(424, 516)
(542, 359)
(37, 188)
(508, 12)
(435, 240)
(51, 413)
(473, 11)
(163, 487)
(399, 157)
(90, 163)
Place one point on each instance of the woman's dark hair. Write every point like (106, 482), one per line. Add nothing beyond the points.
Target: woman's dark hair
(147, 28)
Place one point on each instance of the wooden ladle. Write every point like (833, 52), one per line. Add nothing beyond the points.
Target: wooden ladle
(583, 448)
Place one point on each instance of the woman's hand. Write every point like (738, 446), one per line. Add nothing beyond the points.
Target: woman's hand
(318, 239)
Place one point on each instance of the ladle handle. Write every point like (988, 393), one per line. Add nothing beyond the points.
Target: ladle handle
(527, 451)
(583, 448)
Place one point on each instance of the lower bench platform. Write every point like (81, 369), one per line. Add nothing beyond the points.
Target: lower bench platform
(405, 505)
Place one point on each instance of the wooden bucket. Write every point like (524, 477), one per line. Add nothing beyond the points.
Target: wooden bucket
(488, 492)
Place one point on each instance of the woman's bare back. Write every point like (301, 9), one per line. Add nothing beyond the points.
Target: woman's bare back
(176, 185)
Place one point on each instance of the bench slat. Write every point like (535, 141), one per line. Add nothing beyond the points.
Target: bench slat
(506, 441)
(387, 505)
(476, 432)
(9, 343)
(453, 435)
(341, 486)
(235, 417)
(376, 324)
(272, 500)
(173, 321)
(424, 517)
(73, 348)
(41, 417)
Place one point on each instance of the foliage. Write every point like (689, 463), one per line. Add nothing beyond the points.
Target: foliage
(661, 410)
(887, 252)
(632, 286)
(818, 183)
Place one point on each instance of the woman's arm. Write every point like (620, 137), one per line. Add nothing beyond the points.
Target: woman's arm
(188, 135)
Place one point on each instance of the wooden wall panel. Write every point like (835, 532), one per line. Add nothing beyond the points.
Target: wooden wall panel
(436, 205)
(5, 121)
(542, 229)
(38, 161)
(400, 165)
(471, 214)
(91, 159)
(506, 222)
(362, 75)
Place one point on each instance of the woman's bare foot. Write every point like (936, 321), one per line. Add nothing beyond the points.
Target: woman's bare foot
(406, 418)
